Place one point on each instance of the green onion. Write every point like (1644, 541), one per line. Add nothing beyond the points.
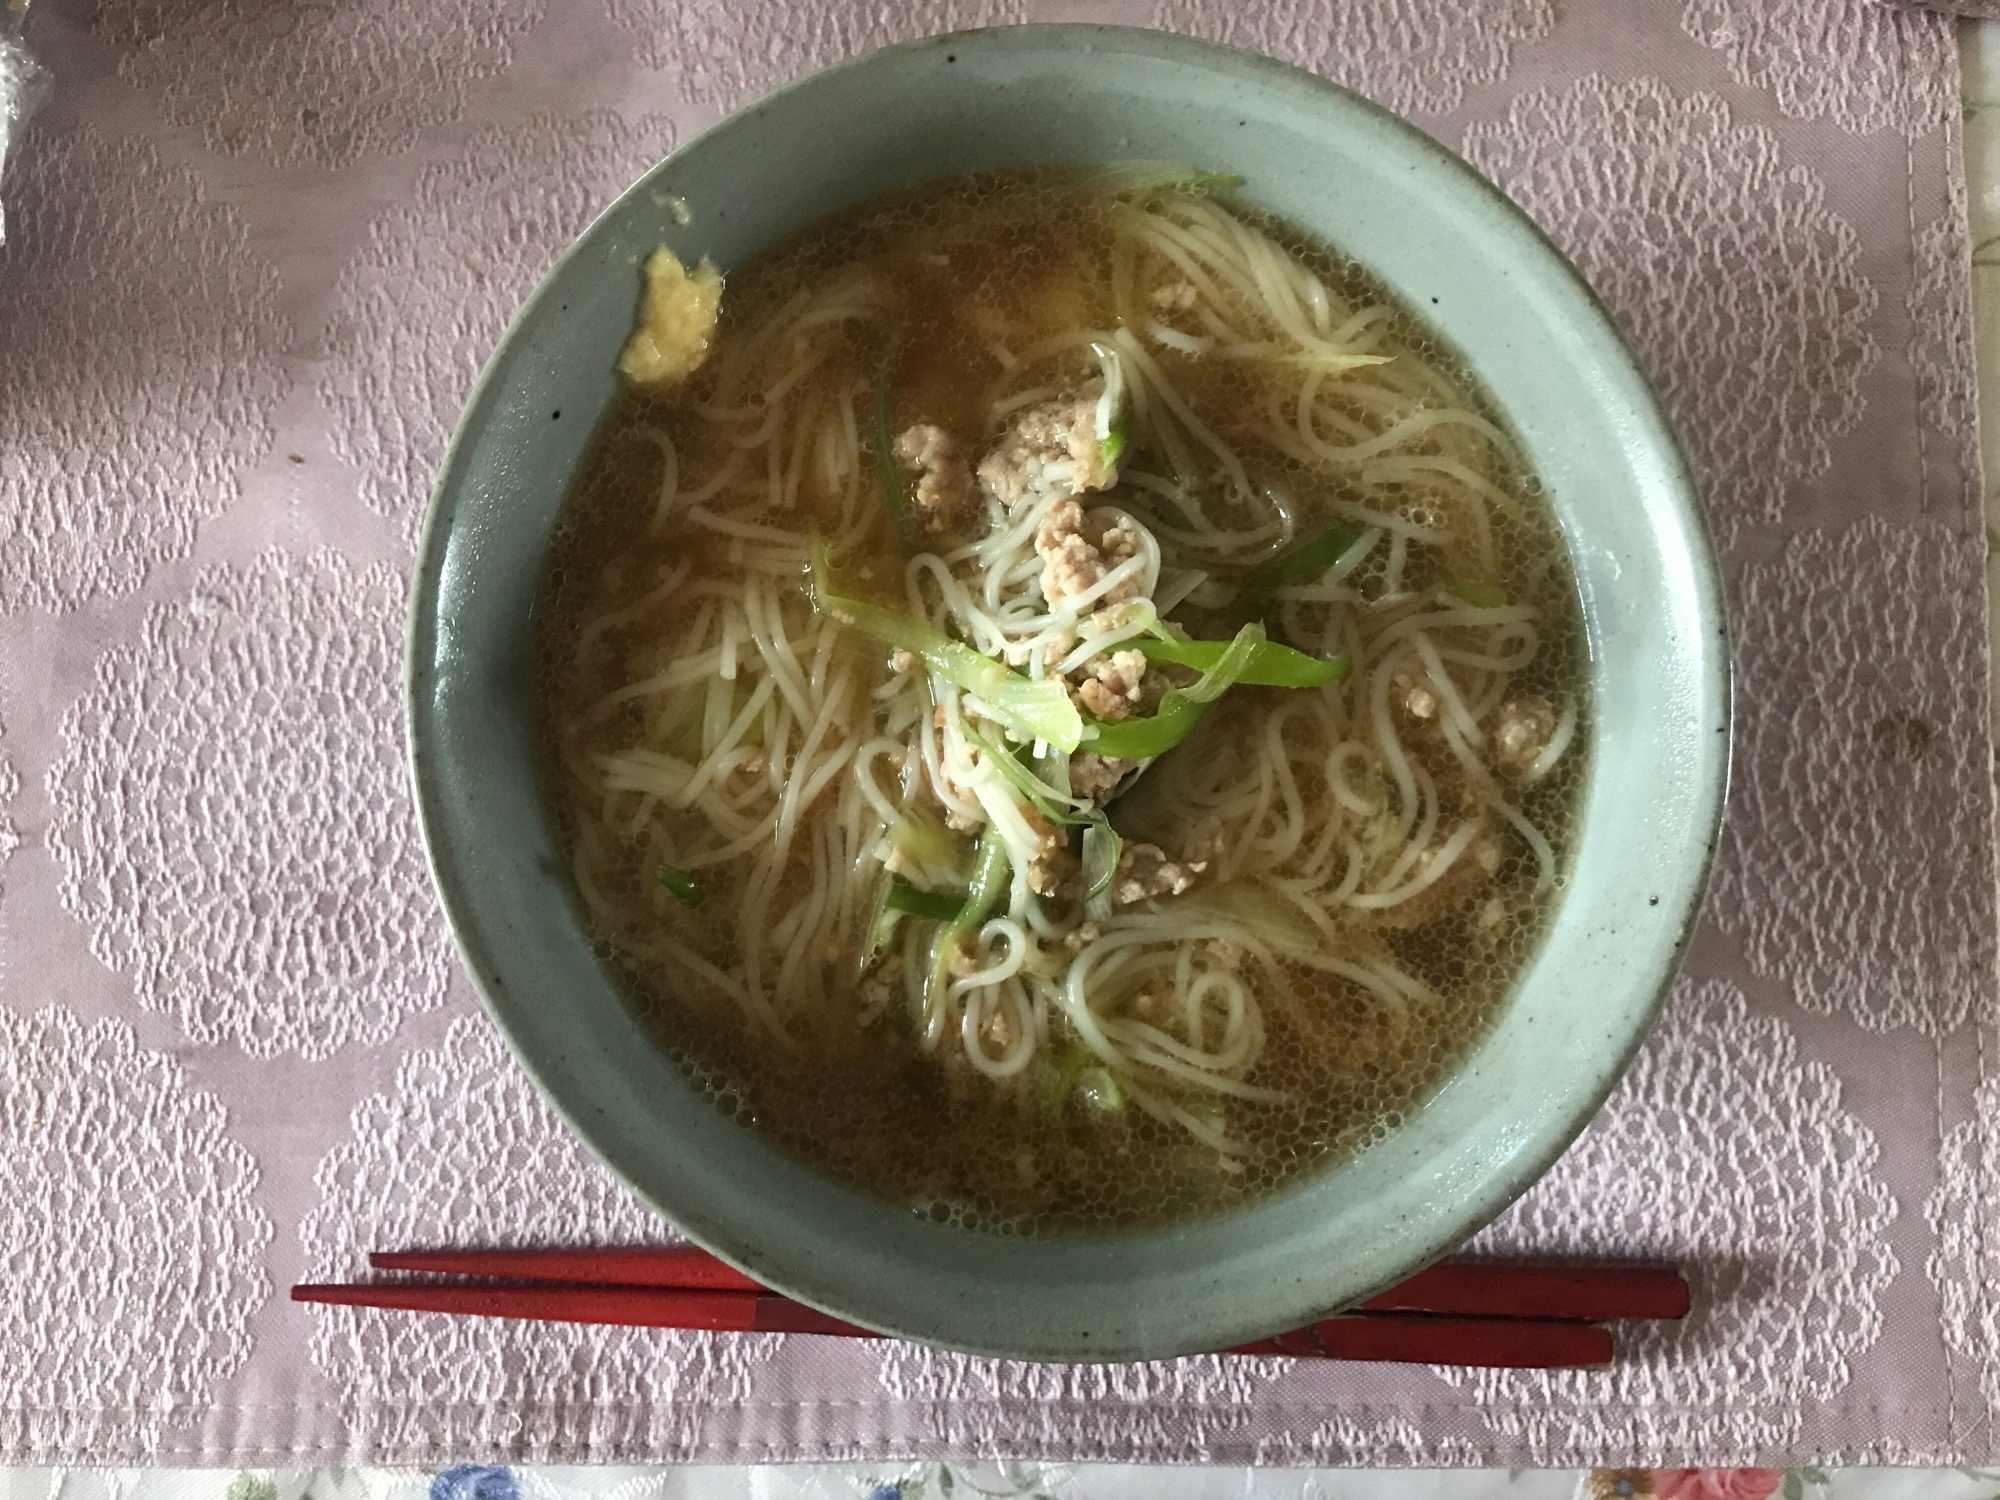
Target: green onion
(1047, 801)
(1275, 921)
(1306, 561)
(1079, 1074)
(880, 929)
(989, 884)
(937, 906)
(1109, 449)
(1101, 850)
(922, 839)
(684, 886)
(1076, 1057)
(889, 478)
(1478, 595)
(1150, 179)
(1180, 710)
(1033, 710)
(1270, 665)
(1098, 1089)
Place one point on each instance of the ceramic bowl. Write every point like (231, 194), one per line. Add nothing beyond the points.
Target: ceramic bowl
(1450, 244)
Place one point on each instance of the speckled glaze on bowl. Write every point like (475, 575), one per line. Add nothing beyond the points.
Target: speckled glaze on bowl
(1448, 242)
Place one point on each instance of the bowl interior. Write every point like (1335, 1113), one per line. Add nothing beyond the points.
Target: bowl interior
(1423, 222)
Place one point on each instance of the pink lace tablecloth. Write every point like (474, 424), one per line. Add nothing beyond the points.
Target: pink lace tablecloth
(255, 253)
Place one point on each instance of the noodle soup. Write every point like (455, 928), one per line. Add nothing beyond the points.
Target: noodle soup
(1061, 699)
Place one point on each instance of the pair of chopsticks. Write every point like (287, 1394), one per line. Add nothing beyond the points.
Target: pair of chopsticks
(1457, 1313)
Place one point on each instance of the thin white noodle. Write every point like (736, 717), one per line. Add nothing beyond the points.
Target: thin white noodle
(1454, 705)
(670, 461)
(1435, 871)
(706, 518)
(1545, 857)
(1552, 752)
(1192, 345)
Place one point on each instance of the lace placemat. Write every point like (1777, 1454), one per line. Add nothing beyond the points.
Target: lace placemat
(256, 254)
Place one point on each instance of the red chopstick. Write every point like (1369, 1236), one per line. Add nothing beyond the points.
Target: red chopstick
(1511, 1343)
(1471, 1313)
(1583, 1294)
(685, 1266)
(1422, 1339)
(1580, 1293)
(627, 1306)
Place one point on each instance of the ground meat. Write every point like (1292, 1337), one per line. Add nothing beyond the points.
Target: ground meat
(1056, 875)
(1411, 691)
(1054, 871)
(1099, 702)
(1229, 955)
(1051, 449)
(998, 1028)
(901, 661)
(1114, 686)
(1092, 775)
(1108, 618)
(878, 987)
(1174, 296)
(1521, 732)
(1078, 547)
(943, 493)
(1115, 617)
(1082, 938)
(1144, 871)
(1207, 840)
